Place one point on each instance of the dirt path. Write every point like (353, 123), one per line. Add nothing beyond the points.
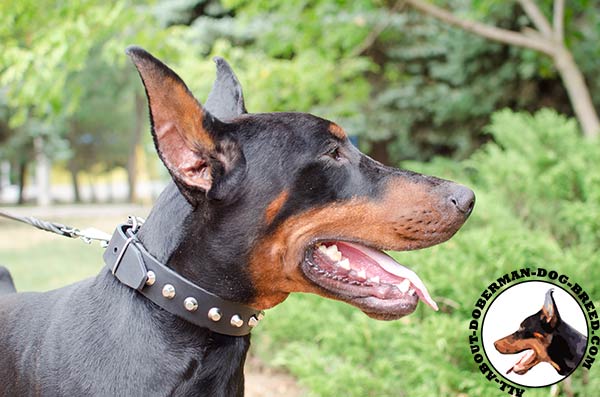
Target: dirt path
(262, 381)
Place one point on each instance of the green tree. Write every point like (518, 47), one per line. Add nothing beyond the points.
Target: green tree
(545, 35)
(43, 43)
(410, 85)
(100, 130)
(45, 46)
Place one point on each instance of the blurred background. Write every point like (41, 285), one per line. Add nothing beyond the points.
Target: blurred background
(499, 95)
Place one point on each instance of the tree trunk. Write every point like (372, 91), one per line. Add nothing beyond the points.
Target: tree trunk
(379, 151)
(42, 173)
(75, 185)
(22, 177)
(93, 196)
(140, 114)
(5, 171)
(110, 190)
(578, 92)
(547, 40)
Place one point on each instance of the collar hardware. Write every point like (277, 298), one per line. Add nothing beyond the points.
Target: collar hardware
(133, 266)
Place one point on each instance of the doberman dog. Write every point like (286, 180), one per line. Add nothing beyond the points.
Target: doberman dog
(546, 338)
(260, 206)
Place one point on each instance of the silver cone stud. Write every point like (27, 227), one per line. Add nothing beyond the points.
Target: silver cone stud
(168, 291)
(190, 304)
(253, 322)
(236, 321)
(214, 314)
(150, 278)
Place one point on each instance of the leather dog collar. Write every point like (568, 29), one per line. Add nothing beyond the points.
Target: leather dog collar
(133, 266)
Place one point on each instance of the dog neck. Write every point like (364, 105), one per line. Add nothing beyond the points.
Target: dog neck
(164, 229)
(213, 362)
(190, 241)
(567, 339)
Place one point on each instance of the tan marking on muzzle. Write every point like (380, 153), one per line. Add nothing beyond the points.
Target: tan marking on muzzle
(408, 216)
(511, 345)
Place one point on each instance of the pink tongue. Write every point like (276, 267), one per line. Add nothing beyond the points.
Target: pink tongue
(388, 264)
(521, 364)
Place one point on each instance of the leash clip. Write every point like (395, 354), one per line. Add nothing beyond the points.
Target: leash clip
(87, 235)
(135, 222)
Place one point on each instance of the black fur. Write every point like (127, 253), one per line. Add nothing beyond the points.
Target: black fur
(99, 338)
(7, 285)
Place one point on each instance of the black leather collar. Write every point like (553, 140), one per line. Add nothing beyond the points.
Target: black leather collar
(133, 266)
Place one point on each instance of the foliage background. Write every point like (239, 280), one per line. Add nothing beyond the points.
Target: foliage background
(419, 94)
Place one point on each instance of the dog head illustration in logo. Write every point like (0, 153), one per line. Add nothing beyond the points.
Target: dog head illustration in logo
(545, 337)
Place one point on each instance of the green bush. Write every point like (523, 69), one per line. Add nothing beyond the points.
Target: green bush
(537, 205)
(548, 174)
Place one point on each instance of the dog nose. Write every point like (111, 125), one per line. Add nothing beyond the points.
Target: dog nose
(462, 198)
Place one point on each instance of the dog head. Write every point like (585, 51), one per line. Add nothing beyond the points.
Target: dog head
(533, 336)
(283, 202)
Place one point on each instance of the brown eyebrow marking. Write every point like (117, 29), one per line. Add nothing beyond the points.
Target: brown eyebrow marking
(337, 131)
(275, 206)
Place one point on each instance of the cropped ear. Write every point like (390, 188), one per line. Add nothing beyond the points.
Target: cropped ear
(226, 100)
(201, 156)
(549, 313)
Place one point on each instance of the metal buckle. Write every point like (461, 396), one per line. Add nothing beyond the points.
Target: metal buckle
(135, 223)
(122, 253)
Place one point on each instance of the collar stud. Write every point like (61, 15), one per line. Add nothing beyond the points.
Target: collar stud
(168, 291)
(253, 322)
(214, 314)
(150, 278)
(191, 304)
(236, 321)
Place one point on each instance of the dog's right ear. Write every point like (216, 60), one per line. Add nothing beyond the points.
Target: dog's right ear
(196, 148)
(549, 314)
(226, 99)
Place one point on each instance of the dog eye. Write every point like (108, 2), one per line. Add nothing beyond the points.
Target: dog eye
(334, 153)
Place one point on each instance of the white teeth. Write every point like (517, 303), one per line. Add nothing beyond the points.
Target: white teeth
(332, 252)
(412, 292)
(362, 274)
(391, 266)
(344, 264)
(335, 254)
(404, 286)
(374, 279)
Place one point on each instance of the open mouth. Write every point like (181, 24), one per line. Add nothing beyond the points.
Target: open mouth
(365, 277)
(524, 364)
